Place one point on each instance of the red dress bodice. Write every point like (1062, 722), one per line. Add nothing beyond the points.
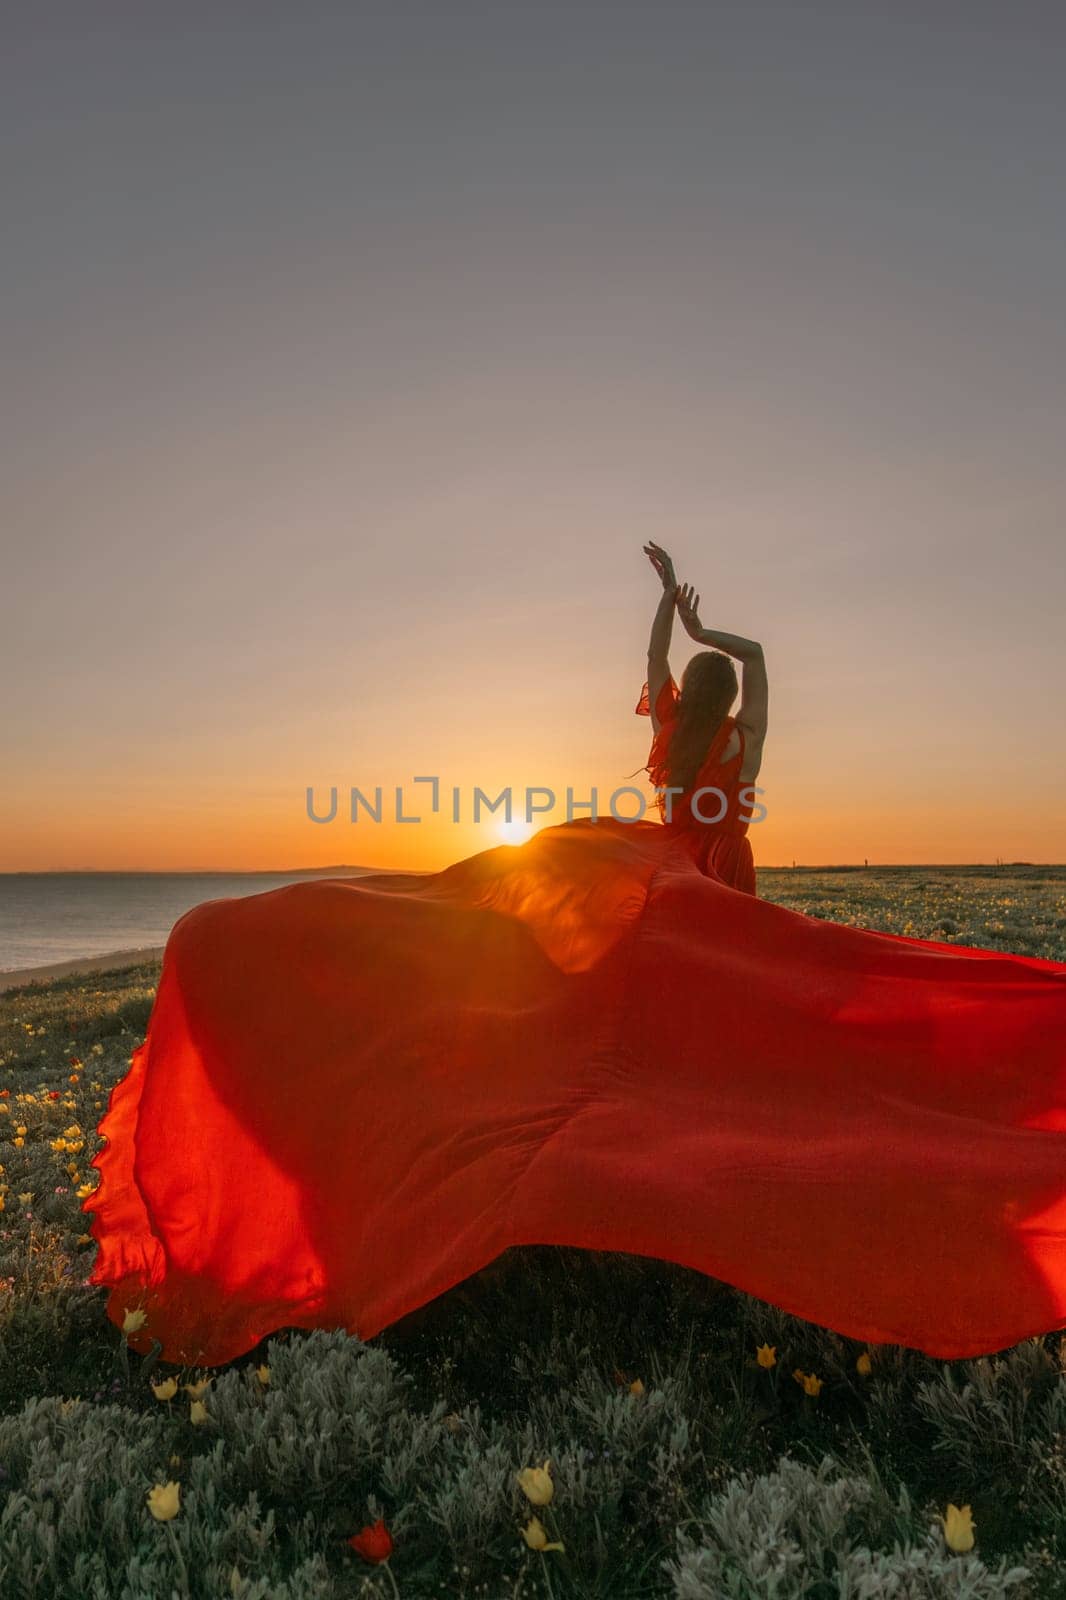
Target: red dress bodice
(714, 812)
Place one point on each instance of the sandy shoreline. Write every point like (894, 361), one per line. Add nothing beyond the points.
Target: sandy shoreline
(112, 961)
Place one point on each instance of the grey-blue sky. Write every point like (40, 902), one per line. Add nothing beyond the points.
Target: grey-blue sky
(353, 351)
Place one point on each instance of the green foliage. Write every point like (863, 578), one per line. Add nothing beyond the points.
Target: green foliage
(800, 1531)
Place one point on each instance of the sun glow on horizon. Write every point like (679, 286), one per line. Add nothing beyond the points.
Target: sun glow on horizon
(517, 831)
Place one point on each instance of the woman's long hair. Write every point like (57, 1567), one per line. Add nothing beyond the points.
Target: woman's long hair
(708, 689)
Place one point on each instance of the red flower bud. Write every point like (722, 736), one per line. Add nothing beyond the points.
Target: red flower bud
(373, 1543)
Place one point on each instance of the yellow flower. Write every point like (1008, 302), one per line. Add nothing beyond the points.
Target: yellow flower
(133, 1320)
(58, 1144)
(5, 1108)
(811, 1384)
(766, 1355)
(1, 1202)
(864, 1364)
(18, 1142)
(534, 1535)
(72, 1169)
(636, 1387)
(263, 1374)
(536, 1484)
(164, 1501)
(196, 1390)
(84, 1238)
(20, 1131)
(165, 1390)
(26, 1199)
(72, 1132)
(85, 1191)
(197, 1413)
(958, 1528)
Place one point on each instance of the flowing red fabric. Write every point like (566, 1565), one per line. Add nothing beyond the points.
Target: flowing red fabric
(354, 1093)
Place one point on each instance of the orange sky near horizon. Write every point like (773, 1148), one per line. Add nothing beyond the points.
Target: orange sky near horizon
(834, 784)
(355, 355)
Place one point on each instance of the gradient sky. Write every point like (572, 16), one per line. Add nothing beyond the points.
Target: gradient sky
(353, 351)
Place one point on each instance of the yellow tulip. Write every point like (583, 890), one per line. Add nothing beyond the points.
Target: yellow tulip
(85, 1190)
(864, 1365)
(534, 1535)
(196, 1390)
(766, 1355)
(165, 1390)
(811, 1384)
(636, 1387)
(134, 1320)
(958, 1528)
(164, 1501)
(263, 1374)
(197, 1413)
(26, 1199)
(18, 1141)
(536, 1484)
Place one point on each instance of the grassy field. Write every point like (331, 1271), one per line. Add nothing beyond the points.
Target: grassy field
(681, 1464)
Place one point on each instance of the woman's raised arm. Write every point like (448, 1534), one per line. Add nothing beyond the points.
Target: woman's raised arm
(662, 627)
(754, 694)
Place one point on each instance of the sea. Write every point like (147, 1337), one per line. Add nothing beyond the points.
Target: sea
(47, 917)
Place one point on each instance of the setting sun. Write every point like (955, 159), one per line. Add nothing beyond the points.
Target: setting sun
(515, 832)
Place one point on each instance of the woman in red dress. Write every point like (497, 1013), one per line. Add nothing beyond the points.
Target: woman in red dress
(703, 761)
(354, 1093)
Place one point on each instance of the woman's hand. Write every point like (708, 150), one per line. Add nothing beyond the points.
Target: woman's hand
(662, 564)
(688, 605)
